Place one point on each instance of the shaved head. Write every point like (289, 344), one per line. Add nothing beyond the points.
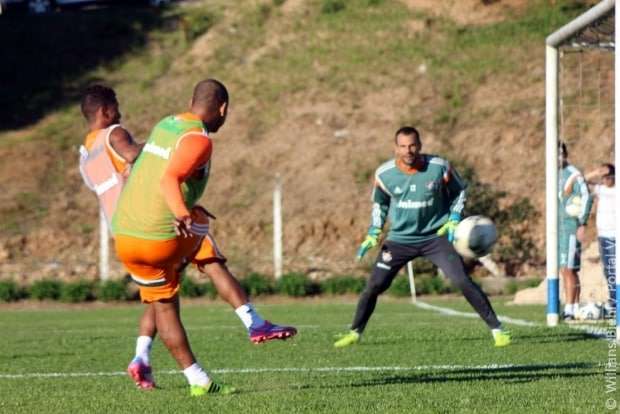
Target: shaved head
(209, 95)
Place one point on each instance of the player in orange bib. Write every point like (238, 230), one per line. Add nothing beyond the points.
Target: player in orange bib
(159, 228)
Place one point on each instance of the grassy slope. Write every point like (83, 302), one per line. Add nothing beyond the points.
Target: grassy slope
(551, 370)
(296, 75)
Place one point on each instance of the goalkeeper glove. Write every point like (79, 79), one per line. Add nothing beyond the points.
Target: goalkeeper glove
(450, 226)
(371, 240)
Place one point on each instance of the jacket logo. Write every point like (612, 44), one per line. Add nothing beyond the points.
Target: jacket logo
(398, 190)
(386, 256)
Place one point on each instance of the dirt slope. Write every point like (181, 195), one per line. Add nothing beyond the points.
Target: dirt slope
(325, 150)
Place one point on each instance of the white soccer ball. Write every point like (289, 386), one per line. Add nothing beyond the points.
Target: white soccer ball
(590, 312)
(475, 236)
(574, 206)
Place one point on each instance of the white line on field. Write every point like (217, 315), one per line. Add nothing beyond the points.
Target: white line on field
(488, 367)
(596, 331)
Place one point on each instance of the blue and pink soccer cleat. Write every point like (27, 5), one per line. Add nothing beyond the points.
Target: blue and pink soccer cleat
(268, 331)
(141, 374)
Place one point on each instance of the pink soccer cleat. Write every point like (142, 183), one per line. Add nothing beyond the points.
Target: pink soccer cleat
(141, 374)
(268, 331)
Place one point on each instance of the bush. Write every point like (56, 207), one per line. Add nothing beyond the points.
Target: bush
(74, 292)
(515, 221)
(256, 284)
(425, 284)
(9, 291)
(190, 289)
(296, 284)
(332, 6)
(45, 289)
(432, 284)
(340, 285)
(209, 290)
(112, 290)
(400, 287)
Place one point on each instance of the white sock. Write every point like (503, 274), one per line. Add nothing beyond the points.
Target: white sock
(196, 375)
(143, 348)
(249, 316)
(575, 308)
(496, 331)
(568, 309)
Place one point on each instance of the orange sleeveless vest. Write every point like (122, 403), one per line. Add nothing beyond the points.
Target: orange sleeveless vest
(100, 174)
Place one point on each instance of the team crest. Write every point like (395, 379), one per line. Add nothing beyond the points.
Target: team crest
(432, 185)
(386, 256)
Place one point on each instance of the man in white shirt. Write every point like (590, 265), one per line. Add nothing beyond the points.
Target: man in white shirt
(603, 180)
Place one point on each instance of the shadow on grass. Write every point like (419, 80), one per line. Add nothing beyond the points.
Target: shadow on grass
(513, 374)
(516, 374)
(45, 58)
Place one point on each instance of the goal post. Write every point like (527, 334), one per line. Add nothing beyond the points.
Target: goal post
(594, 29)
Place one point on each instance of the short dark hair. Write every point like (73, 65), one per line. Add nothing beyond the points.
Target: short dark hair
(95, 97)
(611, 169)
(407, 130)
(563, 149)
(210, 94)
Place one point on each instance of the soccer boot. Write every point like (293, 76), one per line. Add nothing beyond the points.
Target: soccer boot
(141, 374)
(268, 331)
(211, 388)
(350, 338)
(502, 338)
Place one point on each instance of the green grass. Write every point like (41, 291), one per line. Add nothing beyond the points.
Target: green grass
(545, 370)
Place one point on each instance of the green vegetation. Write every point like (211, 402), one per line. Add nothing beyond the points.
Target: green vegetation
(73, 292)
(427, 282)
(112, 290)
(45, 289)
(417, 361)
(9, 291)
(513, 220)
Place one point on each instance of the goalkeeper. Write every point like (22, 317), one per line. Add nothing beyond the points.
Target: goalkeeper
(423, 197)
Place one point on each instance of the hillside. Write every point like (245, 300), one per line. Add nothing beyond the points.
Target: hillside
(318, 88)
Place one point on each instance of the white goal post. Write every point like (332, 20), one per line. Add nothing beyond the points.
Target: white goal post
(596, 28)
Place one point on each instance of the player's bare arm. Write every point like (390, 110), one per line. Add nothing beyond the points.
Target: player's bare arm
(123, 143)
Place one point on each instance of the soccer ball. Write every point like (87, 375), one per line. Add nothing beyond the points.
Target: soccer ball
(590, 312)
(475, 236)
(573, 206)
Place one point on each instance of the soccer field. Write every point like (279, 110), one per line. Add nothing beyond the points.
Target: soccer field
(72, 360)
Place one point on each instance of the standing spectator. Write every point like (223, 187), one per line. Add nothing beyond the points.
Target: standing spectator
(603, 181)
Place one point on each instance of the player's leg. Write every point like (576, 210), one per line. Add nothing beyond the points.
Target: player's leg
(211, 261)
(570, 262)
(173, 335)
(153, 265)
(390, 260)
(140, 366)
(441, 252)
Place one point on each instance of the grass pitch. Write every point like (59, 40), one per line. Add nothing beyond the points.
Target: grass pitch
(72, 360)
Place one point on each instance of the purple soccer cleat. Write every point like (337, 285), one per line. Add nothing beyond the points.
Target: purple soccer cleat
(141, 374)
(268, 331)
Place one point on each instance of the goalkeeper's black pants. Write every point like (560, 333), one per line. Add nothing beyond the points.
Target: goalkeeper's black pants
(393, 256)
